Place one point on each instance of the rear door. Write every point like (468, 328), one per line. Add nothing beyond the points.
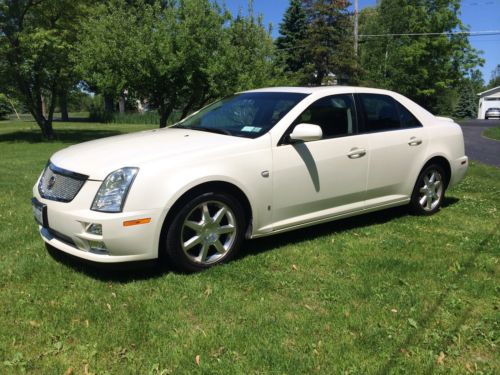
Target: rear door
(397, 143)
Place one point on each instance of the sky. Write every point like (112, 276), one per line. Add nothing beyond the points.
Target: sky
(480, 15)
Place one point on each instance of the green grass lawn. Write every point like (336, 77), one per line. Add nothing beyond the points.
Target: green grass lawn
(493, 133)
(381, 293)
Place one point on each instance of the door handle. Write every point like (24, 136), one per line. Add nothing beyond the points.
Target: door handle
(414, 141)
(356, 153)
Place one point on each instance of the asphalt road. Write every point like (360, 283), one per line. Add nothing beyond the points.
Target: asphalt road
(478, 147)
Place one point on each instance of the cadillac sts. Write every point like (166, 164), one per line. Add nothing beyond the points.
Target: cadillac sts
(253, 164)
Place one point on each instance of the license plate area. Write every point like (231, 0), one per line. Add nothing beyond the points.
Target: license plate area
(39, 212)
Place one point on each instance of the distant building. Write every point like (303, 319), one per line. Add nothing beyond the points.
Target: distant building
(488, 99)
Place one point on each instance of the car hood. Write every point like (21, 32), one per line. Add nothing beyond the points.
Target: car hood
(100, 157)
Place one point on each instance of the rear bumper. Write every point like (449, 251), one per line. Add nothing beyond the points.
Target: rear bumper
(459, 168)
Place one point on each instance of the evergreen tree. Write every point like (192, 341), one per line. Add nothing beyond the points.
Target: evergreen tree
(329, 41)
(495, 78)
(291, 42)
(467, 103)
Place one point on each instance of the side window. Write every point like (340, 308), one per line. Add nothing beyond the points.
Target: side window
(407, 118)
(380, 112)
(334, 114)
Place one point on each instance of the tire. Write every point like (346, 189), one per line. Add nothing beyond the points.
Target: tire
(428, 193)
(207, 230)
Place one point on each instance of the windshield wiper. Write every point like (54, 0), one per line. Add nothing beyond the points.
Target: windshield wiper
(204, 128)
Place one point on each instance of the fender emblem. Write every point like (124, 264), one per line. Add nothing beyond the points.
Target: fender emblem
(52, 181)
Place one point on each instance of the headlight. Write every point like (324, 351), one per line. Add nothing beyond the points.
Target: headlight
(114, 189)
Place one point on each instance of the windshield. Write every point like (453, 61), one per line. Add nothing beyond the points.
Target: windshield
(243, 115)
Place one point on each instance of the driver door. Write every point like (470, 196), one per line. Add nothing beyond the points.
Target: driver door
(317, 180)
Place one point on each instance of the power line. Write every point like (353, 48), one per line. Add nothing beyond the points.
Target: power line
(447, 33)
(469, 33)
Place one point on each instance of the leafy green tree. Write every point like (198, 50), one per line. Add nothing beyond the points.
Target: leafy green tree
(5, 106)
(292, 40)
(423, 67)
(109, 48)
(36, 38)
(329, 41)
(175, 55)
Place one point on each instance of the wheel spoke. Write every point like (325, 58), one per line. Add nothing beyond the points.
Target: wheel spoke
(426, 181)
(219, 215)
(202, 256)
(193, 241)
(225, 229)
(423, 190)
(197, 227)
(206, 214)
(433, 177)
(429, 203)
(219, 247)
(423, 200)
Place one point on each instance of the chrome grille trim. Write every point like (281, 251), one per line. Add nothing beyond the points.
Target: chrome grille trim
(59, 184)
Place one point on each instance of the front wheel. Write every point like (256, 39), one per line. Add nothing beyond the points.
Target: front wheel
(428, 193)
(206, 231)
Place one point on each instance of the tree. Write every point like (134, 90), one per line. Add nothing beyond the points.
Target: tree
(329, 41)
(292, 40)
(467, 103)
(36, 38)
(495, 78)
(424, 67)
(175, 55)
(109, 48)
(5, 106)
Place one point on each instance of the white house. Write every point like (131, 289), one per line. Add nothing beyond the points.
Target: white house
(488, 99)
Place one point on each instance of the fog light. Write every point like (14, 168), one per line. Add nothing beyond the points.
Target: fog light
(94, 229)
(98, 247)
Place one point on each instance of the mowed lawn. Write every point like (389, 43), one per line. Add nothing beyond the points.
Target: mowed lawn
(381, 293)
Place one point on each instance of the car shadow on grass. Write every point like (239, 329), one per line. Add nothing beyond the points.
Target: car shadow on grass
(299, 235)
(132, 271)
(69, 136)
(118, 272)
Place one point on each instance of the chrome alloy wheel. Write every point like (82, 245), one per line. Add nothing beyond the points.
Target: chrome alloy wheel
(208, 232)
(432, 191)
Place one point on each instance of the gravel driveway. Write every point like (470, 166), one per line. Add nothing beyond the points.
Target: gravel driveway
(476, 146)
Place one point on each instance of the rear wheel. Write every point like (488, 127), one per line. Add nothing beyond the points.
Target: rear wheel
(206, 231)
(428, 193)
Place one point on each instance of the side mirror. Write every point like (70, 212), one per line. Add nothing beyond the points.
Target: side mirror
(306, 133)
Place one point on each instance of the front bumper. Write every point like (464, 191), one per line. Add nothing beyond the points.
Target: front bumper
(68, 224)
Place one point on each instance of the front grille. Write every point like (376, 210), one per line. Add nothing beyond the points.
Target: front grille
(58, 184)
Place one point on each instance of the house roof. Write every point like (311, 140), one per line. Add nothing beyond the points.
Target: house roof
(494, 90)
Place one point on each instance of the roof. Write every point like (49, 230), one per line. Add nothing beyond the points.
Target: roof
(494, 90)
(315, 89)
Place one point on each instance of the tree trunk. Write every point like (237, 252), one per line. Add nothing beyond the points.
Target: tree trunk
(121, 103)
(63, 102)
(43, 105)
(47, 129)
(165, 112)
(108, 103)
(38, 111)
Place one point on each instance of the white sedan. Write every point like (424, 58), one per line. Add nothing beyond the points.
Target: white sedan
(254, 164)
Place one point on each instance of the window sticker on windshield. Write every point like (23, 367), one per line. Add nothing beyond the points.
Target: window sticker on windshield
(252, 129)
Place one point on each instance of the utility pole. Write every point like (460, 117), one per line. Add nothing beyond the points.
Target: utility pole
(355, 27)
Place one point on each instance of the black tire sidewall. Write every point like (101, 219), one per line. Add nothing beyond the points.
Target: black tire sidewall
(415, 196)
(173, 249)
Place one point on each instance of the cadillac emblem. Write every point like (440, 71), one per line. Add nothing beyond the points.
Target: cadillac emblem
(52, 181)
